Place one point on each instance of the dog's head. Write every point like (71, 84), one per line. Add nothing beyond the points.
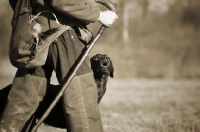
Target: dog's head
(102, 66)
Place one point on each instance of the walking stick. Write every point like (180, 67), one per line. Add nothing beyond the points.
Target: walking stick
(111, 6)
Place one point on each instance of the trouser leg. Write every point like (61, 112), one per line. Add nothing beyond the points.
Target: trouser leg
(26, 92)
(80, 105)
(80, 98)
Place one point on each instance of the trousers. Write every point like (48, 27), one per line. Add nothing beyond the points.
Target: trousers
(79, 99)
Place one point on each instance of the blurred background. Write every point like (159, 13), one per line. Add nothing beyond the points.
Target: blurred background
(155, 39)
(155, 50)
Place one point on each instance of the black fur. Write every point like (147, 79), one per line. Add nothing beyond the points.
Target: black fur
(102, 68)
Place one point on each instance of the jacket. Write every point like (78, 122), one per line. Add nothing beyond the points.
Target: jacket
(65, 9)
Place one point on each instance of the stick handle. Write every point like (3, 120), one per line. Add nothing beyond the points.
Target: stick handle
(109, 4)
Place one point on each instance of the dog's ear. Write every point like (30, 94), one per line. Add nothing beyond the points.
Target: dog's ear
(111, 70)
(112, 74)
(94, 59)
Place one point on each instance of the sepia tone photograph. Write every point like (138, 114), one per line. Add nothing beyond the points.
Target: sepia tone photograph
(100, 66)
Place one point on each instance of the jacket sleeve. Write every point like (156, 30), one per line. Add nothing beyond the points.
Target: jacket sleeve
(76, 9)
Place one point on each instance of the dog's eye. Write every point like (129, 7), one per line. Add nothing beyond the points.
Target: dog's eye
(97, 58)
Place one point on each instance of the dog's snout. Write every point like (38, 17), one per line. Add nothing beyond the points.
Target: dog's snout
(105, 64)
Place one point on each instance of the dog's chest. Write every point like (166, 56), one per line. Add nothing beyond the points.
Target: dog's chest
(101, 85)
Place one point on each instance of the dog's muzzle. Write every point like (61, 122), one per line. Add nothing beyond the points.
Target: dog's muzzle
(105, 63)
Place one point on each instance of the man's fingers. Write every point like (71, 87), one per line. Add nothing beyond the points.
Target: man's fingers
(107, 18)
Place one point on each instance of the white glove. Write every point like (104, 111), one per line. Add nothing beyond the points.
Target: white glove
(107, 18)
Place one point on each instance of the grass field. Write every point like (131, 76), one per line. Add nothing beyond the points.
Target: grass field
(149, 106)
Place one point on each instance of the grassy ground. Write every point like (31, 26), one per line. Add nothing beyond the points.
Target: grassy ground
(149, 106)
(152, 106)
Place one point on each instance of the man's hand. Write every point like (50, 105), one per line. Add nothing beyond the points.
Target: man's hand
(107, 18)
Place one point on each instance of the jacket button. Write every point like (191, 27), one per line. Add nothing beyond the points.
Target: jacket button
(86, 128)
(72, 38)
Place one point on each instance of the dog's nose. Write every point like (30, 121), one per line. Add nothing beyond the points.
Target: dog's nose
(105, 57)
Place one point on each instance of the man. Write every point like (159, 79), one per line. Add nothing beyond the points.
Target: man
(29, 85)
